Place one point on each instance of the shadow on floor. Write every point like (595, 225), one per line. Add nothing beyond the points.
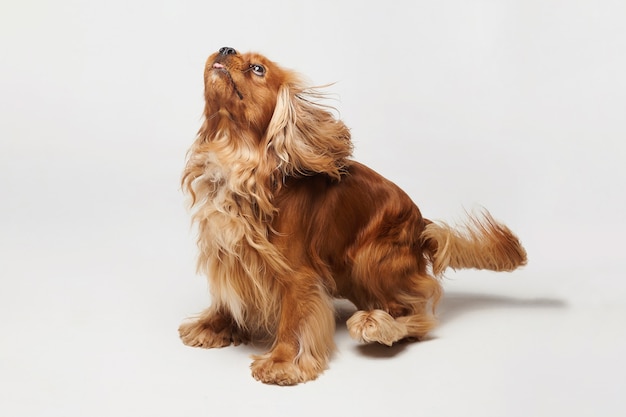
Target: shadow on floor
(451, 306)
(454, 304)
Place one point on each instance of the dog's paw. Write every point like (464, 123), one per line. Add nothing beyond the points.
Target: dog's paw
(270, 370)
(198, 334)
(375, 326)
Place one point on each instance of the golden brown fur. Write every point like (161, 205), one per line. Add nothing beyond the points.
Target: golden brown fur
(287, 222)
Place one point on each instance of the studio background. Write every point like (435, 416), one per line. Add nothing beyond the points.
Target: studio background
(516, 106)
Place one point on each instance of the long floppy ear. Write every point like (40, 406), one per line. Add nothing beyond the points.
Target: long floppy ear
(304, 136)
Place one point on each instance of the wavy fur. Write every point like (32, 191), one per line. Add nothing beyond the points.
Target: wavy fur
(287, 222)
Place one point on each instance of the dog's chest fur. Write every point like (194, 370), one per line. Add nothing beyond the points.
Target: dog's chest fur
(233, 238)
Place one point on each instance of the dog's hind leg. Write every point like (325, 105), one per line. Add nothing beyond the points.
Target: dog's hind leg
(389, 281)
(395, 295)
(381, 327)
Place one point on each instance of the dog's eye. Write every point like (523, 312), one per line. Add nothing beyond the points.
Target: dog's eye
(258, 69)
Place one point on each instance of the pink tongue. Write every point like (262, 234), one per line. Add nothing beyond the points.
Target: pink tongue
(216, 65)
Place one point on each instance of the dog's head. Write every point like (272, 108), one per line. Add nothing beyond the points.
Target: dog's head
(245, 86)
(263, 100)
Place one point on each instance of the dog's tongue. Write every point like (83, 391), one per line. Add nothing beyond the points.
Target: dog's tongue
(217, 65)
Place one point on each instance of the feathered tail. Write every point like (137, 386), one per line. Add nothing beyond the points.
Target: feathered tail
(480, 243)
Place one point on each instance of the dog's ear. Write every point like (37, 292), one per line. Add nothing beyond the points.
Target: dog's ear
(304, 136)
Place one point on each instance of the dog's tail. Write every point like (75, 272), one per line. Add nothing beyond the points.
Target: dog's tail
(481, 243)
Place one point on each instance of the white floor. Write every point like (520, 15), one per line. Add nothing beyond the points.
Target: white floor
(102, 341)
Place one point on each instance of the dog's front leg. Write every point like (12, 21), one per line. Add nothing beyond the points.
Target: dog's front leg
(213, 328)
(304, 340)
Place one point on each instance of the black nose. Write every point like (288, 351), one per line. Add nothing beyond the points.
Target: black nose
(227, 50)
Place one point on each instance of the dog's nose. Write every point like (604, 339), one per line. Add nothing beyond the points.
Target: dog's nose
(227, 50)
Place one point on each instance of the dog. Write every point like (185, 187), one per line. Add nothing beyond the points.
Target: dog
(287, 223)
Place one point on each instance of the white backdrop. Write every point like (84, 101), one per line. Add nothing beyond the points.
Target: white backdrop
(517, 106)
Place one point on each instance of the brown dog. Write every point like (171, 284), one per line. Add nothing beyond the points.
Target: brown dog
(287, 222)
